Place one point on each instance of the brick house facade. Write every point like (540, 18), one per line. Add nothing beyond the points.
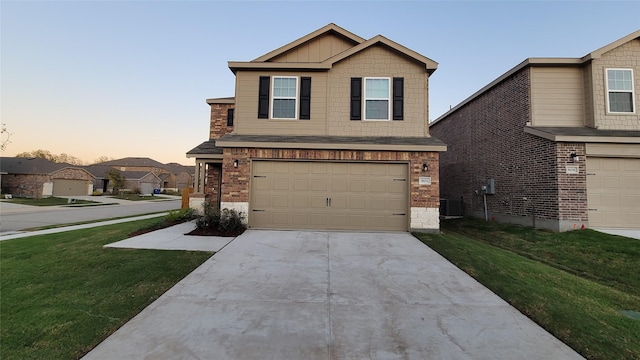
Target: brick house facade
(521, 131)
(389, 163)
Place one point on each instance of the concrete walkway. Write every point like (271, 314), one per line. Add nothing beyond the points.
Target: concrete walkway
(329, 295)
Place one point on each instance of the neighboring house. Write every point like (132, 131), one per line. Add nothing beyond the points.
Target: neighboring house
(144, 182)
(327, 132)
(173, 175)
(560, 137)
(36, 178)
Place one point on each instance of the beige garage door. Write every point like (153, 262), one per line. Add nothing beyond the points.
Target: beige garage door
(613, 192)
(64, 187)
(325, 195)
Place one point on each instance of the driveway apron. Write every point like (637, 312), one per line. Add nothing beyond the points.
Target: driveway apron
(329, 295)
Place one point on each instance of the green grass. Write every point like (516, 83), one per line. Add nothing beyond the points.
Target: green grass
(547, 277)
(49, 201)
(62, 294)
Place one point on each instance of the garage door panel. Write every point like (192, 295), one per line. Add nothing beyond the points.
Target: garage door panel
(363, 196)
(66, 187)
(613, 192)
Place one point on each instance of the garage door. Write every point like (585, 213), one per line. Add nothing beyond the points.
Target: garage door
(64, 187)
(613, 192)
(325, 195)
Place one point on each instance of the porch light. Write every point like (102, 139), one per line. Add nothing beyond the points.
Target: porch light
(574, 157)
(425, 167)
(235, 163)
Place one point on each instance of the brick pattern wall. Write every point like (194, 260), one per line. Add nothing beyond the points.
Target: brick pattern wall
(212, 185)
(152, 169)
(236, 181)
(218, 123)
(72, 174)
(626, 56)
(24, 185)
(486, 140)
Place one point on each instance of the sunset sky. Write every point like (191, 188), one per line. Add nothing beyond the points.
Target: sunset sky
(130, 78)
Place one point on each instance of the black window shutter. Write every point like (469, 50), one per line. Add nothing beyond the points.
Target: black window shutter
(263, 97)
(305, 98)
(230, 117)
(398, 98)
(356, 98)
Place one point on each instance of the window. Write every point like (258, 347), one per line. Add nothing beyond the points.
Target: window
(230, 117)
(620, 97)
(376, 98)
(285, 90)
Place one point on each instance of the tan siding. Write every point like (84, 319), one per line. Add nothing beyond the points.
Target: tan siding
(377, 61)
(557, 97)
(626, 56)
(316, 50)
(246, 114)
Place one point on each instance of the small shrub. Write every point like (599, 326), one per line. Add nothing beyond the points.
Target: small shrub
(136, 191)
(181, 215)
(210, 218)
(231, 220)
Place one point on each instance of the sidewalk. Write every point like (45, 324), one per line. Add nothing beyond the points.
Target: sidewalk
(23, 234)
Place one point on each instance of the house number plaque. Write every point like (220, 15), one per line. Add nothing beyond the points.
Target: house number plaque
(424, 180)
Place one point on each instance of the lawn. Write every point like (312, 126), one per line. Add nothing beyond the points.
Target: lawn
(49, 201)
(573, 284)
(62, 294)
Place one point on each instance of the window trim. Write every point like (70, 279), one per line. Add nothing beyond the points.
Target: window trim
(273, 97)
(365, 98)
(608, 92)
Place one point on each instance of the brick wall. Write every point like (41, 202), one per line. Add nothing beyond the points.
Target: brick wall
(72, 174)
(486, 140)
(218, 123)
(236, 181)
(24, 185)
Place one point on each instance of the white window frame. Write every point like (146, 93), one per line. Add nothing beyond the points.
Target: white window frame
(608, 91)
(273, 97)
(365, 98)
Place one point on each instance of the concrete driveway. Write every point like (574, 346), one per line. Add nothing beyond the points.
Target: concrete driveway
(329, 295)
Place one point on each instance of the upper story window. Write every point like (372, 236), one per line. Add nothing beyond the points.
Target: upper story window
(620, 95)
(284, 97)
(230, 117)
(381, 98)
(285, 93)
(376, 98)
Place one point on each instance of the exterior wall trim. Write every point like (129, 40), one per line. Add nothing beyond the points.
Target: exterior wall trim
(323, 146)
(584, 139)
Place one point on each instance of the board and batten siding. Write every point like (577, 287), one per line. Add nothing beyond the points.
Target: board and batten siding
(247, 106)
(557, 97)
(317, 50)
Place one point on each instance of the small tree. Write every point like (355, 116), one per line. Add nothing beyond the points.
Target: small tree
(4, 136)
(117, 180)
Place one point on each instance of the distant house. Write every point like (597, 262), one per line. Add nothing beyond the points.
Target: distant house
(329, 131)
(36, 177)
(172, 176)
(553, 142)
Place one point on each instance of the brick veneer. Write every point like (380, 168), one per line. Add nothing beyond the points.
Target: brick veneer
(218, 123)
(486, 140)
(236, 181)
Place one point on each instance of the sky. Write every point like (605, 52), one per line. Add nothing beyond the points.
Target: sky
(131, 78)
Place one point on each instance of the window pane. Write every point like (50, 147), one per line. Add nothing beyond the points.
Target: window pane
(377, 88)
(284, 108)
(620, 102)
(377, 109)
(619, 80)
(284, 87)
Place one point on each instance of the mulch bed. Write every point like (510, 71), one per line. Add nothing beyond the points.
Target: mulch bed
(215, 232)
(197, 232)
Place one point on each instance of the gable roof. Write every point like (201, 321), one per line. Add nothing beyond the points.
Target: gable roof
(530, 62)
(32, 166)
(329, 28)
(133, 161)
(359, 44)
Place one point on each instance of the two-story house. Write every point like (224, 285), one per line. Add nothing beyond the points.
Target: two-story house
(327, 132)
(554, 142)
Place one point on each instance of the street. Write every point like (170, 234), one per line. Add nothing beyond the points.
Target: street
(14, 217)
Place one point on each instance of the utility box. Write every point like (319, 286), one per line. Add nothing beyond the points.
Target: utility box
(491, 187)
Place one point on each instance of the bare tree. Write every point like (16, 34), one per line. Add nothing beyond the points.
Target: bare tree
(5, 135)
(47, 155)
